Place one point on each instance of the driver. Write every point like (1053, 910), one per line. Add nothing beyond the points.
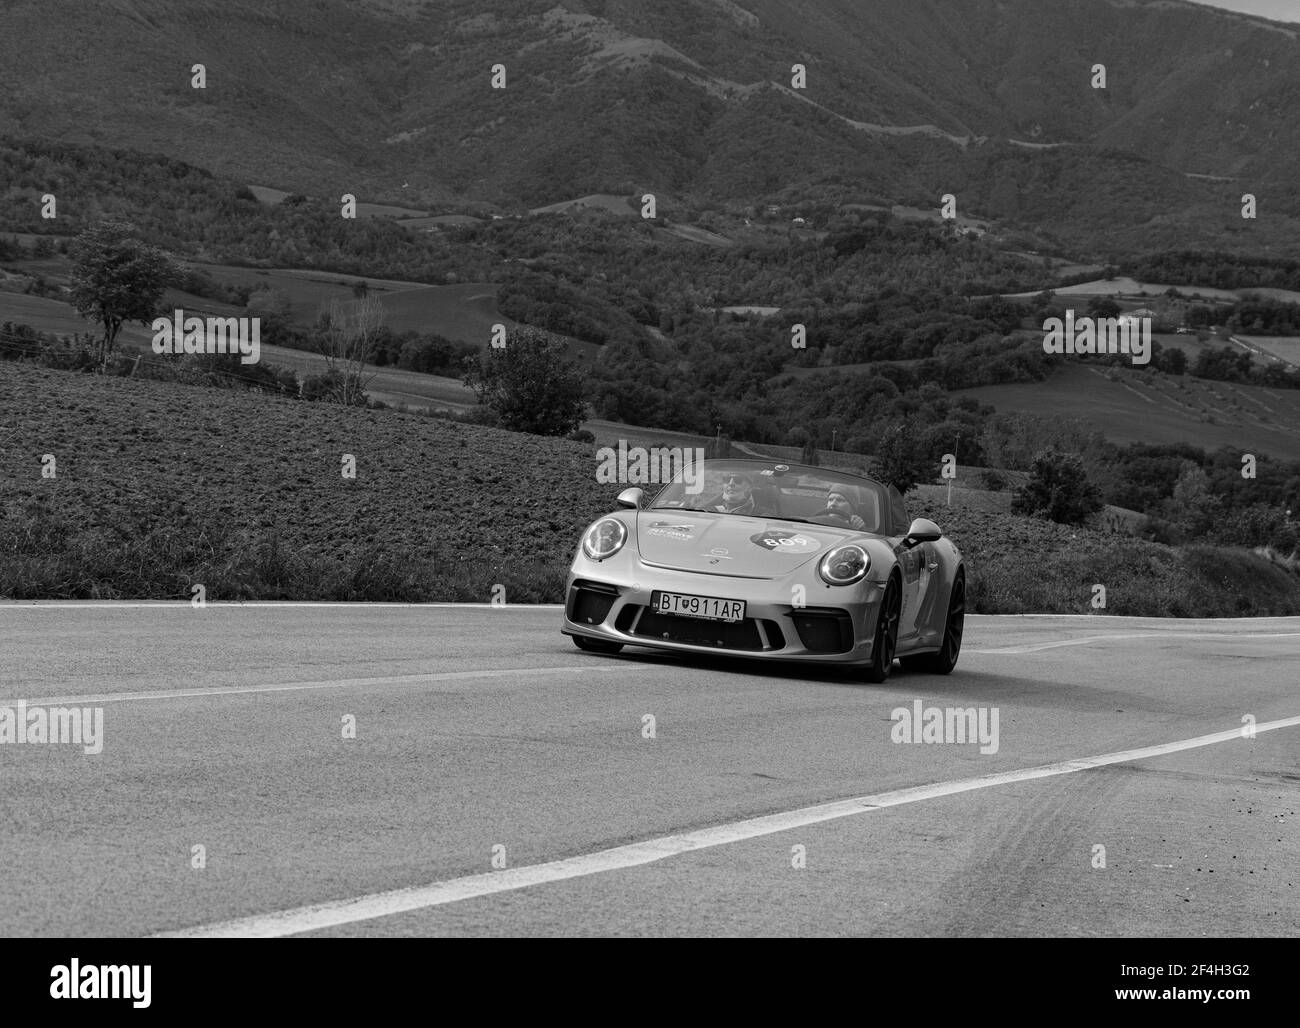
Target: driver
(737, 496)
(839, 509)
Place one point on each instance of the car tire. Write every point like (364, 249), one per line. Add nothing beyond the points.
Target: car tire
(886, 641)
(954, 626)
(596, 645)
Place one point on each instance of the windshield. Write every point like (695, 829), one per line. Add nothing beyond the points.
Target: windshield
(775, 490)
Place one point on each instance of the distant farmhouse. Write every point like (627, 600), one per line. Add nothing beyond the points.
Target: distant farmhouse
(1137, 315)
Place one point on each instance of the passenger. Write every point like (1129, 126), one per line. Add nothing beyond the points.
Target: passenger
(737, 496)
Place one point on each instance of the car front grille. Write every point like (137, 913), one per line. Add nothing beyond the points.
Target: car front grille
(747, 634)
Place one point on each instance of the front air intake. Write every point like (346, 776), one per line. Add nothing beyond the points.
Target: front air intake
(823, 629)
(590, 602)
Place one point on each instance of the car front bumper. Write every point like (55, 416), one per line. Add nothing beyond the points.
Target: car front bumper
(793, 618)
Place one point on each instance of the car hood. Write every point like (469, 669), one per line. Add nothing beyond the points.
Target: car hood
(731, 544)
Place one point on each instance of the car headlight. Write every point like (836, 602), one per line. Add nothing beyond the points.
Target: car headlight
(844, 565)
(604, 539)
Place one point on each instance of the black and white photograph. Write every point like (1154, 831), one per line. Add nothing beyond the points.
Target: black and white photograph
(650, 469)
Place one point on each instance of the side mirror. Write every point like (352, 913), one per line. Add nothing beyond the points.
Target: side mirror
(631, 498)
(922, 530)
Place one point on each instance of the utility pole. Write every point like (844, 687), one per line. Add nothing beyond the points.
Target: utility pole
(955, 450)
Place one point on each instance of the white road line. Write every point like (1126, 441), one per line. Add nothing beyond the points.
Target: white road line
(1178, 636)
(333, 683)
(399, 901)
(1144, 617)
(8, 605)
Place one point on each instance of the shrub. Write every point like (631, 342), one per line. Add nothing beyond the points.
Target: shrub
(1058, 489)
(328, 387)
(530, 384)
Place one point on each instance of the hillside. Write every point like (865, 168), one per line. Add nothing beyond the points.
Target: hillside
(246, 493)
(161, 486)
(1132, 407)
(906, 99)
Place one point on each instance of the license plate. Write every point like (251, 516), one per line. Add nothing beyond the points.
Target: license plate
(698, 606)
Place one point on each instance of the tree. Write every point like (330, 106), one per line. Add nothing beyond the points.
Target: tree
(1192, 506)
(810, 456)
(273, 309)
(1058, 488)
(899, 461)
(117, 278)
(530, 383)
(346, 337)
(1104, 307)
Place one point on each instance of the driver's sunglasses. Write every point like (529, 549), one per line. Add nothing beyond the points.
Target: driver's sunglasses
(728, 479)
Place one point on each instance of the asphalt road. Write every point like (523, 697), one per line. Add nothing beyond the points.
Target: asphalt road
(483, 733)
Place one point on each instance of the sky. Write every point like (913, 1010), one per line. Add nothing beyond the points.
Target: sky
(1279, 10)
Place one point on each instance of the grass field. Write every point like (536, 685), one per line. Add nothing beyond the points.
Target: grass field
(595, 201)
(47, 315)
(1188, 343)
(268, 195)
(1133, 289)
(839, 369)
(464, 312)
(416, 390)
(308, 291)
(387, 210)
(1284, 348)
(271, 196)
(697, 235)
(762, 312)
(435, 220)
(1159, 409)
(1061, 268)
(1285, 295)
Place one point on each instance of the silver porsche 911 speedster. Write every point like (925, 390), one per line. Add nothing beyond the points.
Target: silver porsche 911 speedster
(772, 561)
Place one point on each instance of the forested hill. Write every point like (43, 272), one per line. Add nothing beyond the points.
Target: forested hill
(693, 99)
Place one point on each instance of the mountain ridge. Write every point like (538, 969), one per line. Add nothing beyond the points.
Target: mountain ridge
(906, 98)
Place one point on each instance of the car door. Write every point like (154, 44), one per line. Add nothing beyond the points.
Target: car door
(927, 591)
(912, 562)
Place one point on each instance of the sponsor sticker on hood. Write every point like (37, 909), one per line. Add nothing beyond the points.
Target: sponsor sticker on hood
(671, 531)
(786, 542)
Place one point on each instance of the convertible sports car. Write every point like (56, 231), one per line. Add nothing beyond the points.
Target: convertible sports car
(772, 561)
